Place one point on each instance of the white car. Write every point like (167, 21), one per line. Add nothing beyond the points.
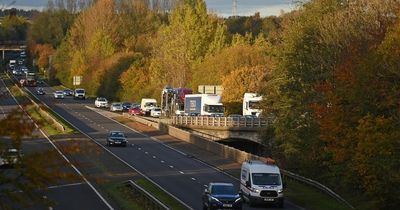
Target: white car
(155, 112)
(116, 107)
(101, 102)
(59, 94)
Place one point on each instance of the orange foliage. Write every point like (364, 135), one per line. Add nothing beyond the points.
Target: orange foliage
(43, 53)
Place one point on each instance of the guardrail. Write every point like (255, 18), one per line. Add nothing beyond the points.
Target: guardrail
(239, 122)
(42, 112)
(149, 201)
(316, 185)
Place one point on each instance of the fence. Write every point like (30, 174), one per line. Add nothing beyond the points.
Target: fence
(204, 121)
(148, 200)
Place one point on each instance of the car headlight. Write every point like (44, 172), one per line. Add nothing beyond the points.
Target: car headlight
(238, 199)
(280, 191)
(111, 140)
(255, 190)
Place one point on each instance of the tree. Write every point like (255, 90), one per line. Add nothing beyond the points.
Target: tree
(189, 36)
(240, 81)
(33, 173)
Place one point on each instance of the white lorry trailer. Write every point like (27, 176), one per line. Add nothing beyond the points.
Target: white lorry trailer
(203, 104)
(261, 183)
(251, 104)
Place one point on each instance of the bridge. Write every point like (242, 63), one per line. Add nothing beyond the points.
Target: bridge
(220, 128)
(11, 46)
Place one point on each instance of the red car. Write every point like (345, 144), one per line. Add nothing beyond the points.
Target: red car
(135, 111)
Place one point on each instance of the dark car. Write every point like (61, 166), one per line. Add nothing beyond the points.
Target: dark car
(116, 138)
(136, 111)
(126, 106)
(40, 91)
(68, 92)
(221, 196)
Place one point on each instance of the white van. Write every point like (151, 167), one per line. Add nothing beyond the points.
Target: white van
(261, 183)
(148, 104)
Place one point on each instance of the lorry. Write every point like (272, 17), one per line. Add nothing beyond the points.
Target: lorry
(251, 104)
(203, 104)
(148, 104)
(173, 100)
(261, 183)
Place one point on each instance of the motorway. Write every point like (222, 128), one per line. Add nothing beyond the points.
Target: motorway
(72, 194)
(183, 177)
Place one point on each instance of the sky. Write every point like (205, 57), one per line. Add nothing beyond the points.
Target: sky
(220, 7)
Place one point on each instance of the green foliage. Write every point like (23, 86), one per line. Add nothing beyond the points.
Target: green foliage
(13, 28)
(215, 66)
(51, 26)
(190, 35)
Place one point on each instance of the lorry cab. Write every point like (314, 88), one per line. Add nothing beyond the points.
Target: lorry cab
(251, 104)
(261, 183)
(148, 104)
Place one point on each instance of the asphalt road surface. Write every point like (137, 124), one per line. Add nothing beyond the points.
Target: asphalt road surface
(67, 194)
(181, 176)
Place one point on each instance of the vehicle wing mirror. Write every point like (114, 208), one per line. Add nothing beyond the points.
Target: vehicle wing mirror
(248, 184)
(240, 193)
(206, 191)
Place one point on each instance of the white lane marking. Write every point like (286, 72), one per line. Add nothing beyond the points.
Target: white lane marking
(194, 179)
(139, 148)
(181, 172)
(146, 153)
(154, 157)
(162, 161)
(66, 185)
(205, 185)
(171, 166)
(59, 152)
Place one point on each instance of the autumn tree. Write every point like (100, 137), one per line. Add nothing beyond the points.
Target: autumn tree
(329, 93)
(33, 173)
(240, 81)
(189, 36)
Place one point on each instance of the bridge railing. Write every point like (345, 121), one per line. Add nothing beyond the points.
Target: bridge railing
(205, 121)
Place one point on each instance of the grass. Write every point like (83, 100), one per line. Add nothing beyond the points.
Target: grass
(23, 99)
(161, 195)
(45, 125)
(122, 196)
(311, 198)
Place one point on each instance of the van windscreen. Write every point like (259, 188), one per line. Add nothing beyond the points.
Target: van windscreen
(266, 179)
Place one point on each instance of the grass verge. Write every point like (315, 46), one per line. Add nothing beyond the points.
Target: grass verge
(160, 195)
(311, 198)
(122, 196)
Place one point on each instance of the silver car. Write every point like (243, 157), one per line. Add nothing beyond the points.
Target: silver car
(59, 94)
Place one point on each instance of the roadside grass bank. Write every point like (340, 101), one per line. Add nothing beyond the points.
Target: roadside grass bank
(23, 98)
(309, 197)
(159, 194)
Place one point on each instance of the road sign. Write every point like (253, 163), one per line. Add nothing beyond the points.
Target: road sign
(210, 89)
(77, 80)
